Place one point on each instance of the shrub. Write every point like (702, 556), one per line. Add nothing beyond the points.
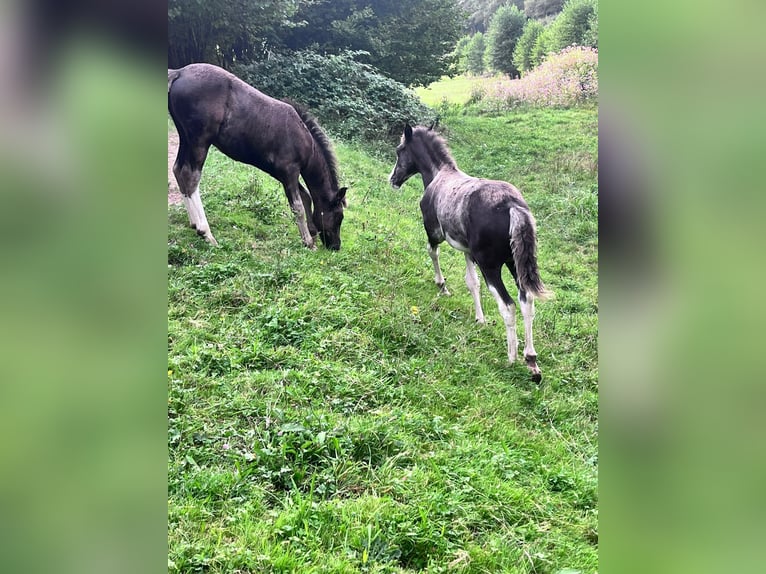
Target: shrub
(505, 29)
(350, 98)
(565, 79)
(522, 54)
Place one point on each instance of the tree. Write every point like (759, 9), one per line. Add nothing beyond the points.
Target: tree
(505, 29)
(542, 46)
(475, 54)
(522, 54)
(573, 25)
(460, 55)
(480, 12)
(412, 42)
(225, 31)
(542, 8)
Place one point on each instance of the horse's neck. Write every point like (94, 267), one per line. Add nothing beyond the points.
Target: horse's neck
(317, 176)
(430, 171)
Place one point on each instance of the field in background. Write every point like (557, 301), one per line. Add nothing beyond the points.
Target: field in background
(455, 90)
(329, 412)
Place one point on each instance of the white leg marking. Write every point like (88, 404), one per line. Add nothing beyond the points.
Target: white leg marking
(438, 277)
(528, 312)
(202, 225)
(300, 219)
(508, 313)
(472, 281)
(190, 212)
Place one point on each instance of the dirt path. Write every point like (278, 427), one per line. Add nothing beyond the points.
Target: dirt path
(174, 195)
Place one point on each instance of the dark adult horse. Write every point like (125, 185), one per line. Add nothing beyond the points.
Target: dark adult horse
(487, 220)
(210, 106)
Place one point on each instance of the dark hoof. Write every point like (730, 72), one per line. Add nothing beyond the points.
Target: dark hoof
(537, 374)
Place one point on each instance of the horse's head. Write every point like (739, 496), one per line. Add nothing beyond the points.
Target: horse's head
(405, 166)
(328, 218)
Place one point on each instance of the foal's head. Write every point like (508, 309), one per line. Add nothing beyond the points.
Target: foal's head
(405, 166)
(421, 150)
(327, 219)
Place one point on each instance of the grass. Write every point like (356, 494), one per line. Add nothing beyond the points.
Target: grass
(455, 90)
(329, 412)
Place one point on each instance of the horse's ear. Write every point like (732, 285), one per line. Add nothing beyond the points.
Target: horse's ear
(407, 132)
(342, 196)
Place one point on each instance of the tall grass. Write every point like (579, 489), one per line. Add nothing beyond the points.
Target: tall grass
(330, 412)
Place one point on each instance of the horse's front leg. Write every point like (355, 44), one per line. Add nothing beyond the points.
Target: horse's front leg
(306, 198)
(293, 194)
(188, 172)
(433, 251)
(472, 282)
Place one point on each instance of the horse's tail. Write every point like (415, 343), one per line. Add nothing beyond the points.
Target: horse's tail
(172, 77)
(523, 237)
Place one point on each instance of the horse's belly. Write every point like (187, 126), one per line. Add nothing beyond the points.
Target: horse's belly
(454, 243)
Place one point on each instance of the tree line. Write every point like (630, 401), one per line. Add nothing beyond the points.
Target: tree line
(516, 42)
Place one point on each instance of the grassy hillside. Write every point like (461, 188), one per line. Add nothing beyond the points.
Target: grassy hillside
(329, 412)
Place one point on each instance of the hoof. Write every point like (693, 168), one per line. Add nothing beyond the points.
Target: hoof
(537, 374)
(443, 290)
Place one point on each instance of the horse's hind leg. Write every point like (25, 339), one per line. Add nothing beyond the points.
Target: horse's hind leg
(530, 355)
(505, 305)
(472, 282)
(433, 251)
(188, 175)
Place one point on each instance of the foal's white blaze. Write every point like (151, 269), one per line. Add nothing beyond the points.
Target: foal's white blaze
(509, 318)
(528, 312)
(390, 178)
(472, 281)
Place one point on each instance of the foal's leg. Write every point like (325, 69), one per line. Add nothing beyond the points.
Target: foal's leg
(472, 281)
(292, 191)
(530, 355)
(506, 306)
(188, 176)
(433, 251)
(177, 166)
(306, 198)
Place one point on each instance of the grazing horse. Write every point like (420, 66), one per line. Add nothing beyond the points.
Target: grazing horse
(487, 220)
(211, 106)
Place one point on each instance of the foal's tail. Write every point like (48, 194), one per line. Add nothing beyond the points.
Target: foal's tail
(172, 77)
(524, 247)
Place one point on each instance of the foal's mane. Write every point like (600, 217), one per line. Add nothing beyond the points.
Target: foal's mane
(436, 145)
(321, 139)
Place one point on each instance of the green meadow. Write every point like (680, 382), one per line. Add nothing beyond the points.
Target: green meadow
(329, 412)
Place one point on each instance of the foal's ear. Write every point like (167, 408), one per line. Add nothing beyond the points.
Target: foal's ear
(342, 196)
(407, 132)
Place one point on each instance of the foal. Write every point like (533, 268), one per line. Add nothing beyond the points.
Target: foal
(487, 220)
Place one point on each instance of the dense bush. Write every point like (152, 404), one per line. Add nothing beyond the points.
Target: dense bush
(505, 29)
(565, 79)
(522, 54)
(350, 98)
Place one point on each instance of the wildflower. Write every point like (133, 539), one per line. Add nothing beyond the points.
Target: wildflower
(415, 311)
(170, 373)
(226, 446)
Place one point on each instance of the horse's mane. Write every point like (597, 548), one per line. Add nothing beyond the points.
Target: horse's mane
(437, 146)
(321, 139)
